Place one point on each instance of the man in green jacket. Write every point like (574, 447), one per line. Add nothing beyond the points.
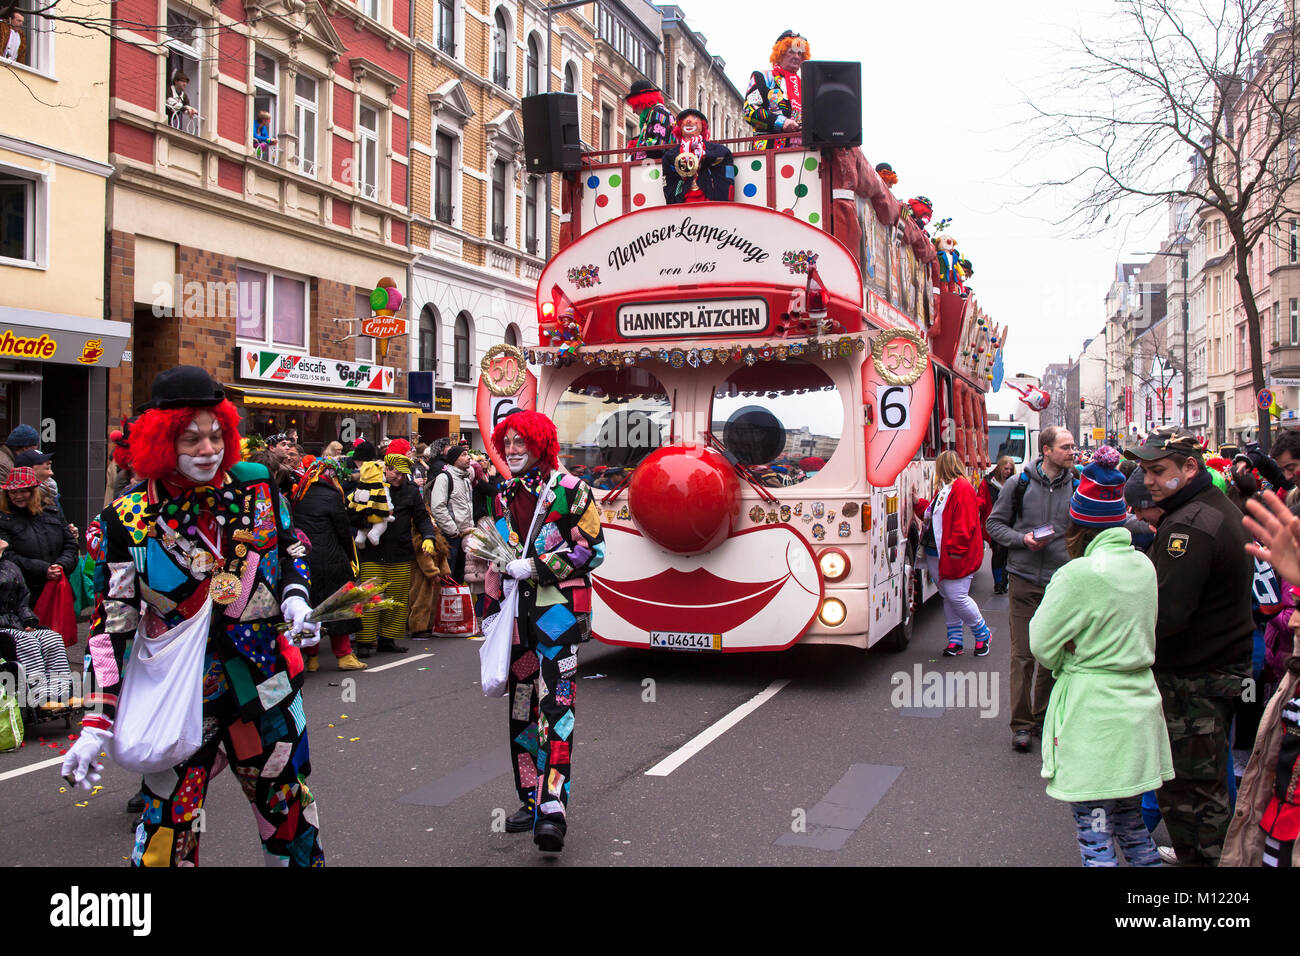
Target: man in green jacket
(1204, 634)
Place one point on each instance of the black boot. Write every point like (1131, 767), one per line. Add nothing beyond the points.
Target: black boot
(548, 834)
(521, 821)
(362, 650)
(390, 646)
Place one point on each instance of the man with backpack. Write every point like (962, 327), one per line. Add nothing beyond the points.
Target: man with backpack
(451, 501)
(1030, 519)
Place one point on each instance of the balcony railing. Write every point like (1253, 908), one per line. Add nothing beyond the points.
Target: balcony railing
(498, 232)
(267, 153)
(442, 212)
(186, 123)
(462, 372)
(499, 75)
(369, 190)
(447, 44)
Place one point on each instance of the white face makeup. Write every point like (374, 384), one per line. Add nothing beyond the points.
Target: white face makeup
(517, 455)
(691, 126)
(200, 448)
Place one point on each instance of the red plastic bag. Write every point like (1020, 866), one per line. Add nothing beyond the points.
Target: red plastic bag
(455, 614)
(55, 609)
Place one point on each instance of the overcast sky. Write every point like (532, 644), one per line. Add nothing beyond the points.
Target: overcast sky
(944, 88)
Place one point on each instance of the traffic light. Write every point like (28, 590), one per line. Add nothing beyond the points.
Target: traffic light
(1082, 404)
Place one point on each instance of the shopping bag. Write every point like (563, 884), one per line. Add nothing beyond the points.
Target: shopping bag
(455, 616)
(83, 584)
(55, 611)
(160, 706)
(11, 723)
(498, 635)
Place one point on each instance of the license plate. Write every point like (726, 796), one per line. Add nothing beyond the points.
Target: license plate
(677, 641)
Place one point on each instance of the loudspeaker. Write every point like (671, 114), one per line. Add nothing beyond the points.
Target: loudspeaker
(831, 102)
(552, 143)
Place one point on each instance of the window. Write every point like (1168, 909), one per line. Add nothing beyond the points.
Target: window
(533, 72)
(429, 340)
(499, 200)
(305, 110)
(611, 418)
(784, 423)
(266, 99)
(512, 335)
(570, 78)
(629, 133)
(443, 144)
(500, 48)
(365, 344)
(1295, 241)
(183, 96)
(369, 7)
(461, 345)
(699, 99)
(368, 147)
(1241, 337)
(1277, 321)
(446, 26)
(530, 215)
(22, 218)
(681, 82)
(35, 37)
(282, 298)
(606, 122)
(1295, 321)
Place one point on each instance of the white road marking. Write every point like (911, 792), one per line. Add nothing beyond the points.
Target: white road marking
(405, 660)
(52, 762)
(697, 743)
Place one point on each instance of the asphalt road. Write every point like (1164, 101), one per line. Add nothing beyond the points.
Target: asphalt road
(410, 767)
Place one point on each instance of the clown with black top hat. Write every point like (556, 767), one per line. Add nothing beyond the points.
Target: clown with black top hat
(205, 537)
(655, 121)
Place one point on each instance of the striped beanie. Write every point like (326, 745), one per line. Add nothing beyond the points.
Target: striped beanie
(1098, 502)
(399, 463)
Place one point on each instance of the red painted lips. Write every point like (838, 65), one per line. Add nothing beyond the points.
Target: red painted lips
(702, 602)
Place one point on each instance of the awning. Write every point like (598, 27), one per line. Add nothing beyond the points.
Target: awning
(283, 398)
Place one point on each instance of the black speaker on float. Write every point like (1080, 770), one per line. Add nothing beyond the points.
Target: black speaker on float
(832, 103)
(552, 143)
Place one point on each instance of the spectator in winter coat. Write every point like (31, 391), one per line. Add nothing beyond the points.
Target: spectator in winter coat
(954, 551)
(20, 440)
(1037, 501)
(451, 500)
(1104, 742)
(319, 513)
(987, 494)
(40, 541)
(38, 649)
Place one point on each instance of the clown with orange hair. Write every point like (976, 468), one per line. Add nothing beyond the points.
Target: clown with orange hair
(773, 102)
(552, 521)
(203, 541)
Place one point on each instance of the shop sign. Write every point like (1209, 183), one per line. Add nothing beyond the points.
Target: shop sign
(62, 346)
(264, 365)
(442, 399)
(383, 327)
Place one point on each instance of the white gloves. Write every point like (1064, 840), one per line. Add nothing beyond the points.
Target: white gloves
(79, 764)
(295, 611)
(520, 568)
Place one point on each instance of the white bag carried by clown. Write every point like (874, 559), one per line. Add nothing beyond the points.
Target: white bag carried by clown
(160, 707)
(498, 634)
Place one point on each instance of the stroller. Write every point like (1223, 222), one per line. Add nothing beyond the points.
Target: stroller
(13, 675)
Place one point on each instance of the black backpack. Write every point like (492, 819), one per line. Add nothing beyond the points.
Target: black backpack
(1018, 496)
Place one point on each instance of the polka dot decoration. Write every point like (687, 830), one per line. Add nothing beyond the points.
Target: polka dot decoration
(799, 187)
(646, 185)
(602, 200)
(751, 182)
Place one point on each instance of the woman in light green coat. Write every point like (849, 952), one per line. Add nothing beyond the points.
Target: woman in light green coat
(1104, 738)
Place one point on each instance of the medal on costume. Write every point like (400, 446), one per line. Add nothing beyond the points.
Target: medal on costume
(225, 588)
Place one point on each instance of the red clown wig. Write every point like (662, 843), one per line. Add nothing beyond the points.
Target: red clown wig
(153, 438)
(538, 433)
(643, 101)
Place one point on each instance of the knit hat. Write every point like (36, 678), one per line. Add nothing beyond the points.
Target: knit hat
(1098, 502)
(398, 446)
(364, 451)
(399, 463)
(453, 453)
(24, 436)
(1136, 495)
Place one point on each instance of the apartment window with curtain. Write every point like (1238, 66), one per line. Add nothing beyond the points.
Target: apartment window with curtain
(23, 216)
(500, 47)
(606, 127)
(530, 215)
(533, 71)
(443, 147)
(499, 200)
(272, 309)
(461, 346)
(370, 8)
(446, 27)
(368, 149)
(304, 102)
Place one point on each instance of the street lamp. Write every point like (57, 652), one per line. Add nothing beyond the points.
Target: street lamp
(1186, 319)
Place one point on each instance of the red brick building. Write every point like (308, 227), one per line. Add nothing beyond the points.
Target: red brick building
(253, 208)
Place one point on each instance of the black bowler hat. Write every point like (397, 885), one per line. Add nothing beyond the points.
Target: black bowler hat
(790, 33)
(691, 111)
(185, 386)
(641, 86)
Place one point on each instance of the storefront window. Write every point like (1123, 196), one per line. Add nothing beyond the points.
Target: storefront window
(782, 419)
(608, 420)
(316, 428)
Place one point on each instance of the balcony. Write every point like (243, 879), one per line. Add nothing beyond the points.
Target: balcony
(1284, 362)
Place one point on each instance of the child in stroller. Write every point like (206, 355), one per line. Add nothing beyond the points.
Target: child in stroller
(37, 657)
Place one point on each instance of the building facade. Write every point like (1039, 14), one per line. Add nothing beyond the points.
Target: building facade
(692, 76)
(57, 347)
(253, 210)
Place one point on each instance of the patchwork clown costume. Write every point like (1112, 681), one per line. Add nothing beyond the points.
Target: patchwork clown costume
(166, 547)
(554, 519)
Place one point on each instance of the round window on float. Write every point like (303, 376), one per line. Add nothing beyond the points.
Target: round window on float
(608, 420)
(781, 419)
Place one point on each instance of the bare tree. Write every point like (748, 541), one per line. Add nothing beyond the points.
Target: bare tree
(1214, 80)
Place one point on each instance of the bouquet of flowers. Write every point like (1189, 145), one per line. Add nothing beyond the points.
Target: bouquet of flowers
(485, 542)
(349, 603)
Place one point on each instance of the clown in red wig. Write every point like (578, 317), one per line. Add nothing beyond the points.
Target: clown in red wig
(655, 122)
(695, 169)
(202, 549)
(552, 521)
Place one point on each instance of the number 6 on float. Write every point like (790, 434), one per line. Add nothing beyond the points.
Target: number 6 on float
(898, 396)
